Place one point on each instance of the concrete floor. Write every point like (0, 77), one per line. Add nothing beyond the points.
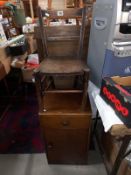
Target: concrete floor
(36, 164)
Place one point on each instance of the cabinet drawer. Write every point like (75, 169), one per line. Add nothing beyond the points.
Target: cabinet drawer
(65, 122)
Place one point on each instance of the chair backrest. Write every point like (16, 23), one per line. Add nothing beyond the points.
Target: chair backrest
(63, 40)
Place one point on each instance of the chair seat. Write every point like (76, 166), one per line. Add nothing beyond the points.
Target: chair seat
(62, 66)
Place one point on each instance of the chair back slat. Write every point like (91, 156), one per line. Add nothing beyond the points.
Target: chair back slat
(82, 33)
(68, 13)
(42, 31)
(62, 40)
(60, 31)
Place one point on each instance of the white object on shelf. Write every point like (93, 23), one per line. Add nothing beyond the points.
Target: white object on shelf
(33, 59)
(28, 28)
(29, 20)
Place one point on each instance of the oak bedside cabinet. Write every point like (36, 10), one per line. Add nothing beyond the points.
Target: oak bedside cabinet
(65, 128)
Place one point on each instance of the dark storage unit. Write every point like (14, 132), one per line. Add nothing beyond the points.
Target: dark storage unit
(66, 129)
(19, 48)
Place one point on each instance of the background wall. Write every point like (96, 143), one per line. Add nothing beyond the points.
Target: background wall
(43, 3)
(56, 4)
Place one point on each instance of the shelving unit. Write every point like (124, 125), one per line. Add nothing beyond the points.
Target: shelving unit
(8, 22)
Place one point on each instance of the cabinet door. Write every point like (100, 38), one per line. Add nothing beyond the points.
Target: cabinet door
(67, 146)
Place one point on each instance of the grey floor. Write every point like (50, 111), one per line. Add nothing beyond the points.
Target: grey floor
(36, 164)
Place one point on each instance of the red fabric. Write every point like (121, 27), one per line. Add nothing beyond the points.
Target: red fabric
(29, 65)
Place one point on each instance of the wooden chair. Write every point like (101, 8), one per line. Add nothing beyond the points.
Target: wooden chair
(61, 51)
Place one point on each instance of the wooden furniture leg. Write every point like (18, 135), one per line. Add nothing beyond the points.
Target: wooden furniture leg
(95, 123)
(120, 156)
(122, 151)
(85, 86)
(39, 91)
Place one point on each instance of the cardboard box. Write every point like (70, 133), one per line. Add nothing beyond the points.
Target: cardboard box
(116, 91)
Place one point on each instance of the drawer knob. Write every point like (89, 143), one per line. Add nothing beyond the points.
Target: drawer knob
(65, 123)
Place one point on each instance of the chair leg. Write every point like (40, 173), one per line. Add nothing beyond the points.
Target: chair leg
(39, 91)
(85, 86)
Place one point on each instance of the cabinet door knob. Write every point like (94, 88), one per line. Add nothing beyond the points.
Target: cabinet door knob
(65, 123)
(50, 146)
